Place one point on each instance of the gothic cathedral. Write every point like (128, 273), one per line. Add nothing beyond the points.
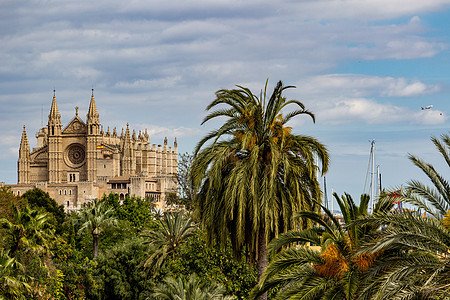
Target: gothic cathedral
(80, 162)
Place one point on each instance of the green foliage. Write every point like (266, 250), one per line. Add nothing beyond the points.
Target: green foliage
(191, 289)
(166, 239)
(76, 268)
(212, 265)
(37, 198)
(12, 281)
(93, 218)
(7, 202)
(133, 209)
(118, 274)
(416, 261)
(337, 269)
(28, 230)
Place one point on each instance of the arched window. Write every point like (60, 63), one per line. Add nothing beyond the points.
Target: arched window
(65, 192)
(60, 192)
(70, 192)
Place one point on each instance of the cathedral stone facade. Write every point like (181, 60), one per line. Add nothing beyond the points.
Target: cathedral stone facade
(81, 162)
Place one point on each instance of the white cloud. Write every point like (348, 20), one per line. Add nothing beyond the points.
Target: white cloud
(160, 83)
(429, 117)
(370, 9)
(360, 110)
(358, 85)
(350, 98)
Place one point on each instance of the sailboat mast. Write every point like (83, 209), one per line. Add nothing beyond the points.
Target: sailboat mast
(372, 177)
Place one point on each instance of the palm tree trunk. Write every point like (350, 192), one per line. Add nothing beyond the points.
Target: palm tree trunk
(95, 244)
(261, 263)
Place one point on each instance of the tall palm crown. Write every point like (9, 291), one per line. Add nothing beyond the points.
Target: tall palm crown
(93, 218)
(255, 174)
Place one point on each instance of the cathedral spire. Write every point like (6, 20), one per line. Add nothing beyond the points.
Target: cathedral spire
(127, 154)
(92, 120)
(92, 116)
(23, 170)
(127, 133)
(54, 117)
(24, 145)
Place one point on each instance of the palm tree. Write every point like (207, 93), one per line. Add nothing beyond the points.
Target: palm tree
(416, 264)
(333, 272)
(255, 174)
(193, 289)
(166, 239)
(433, 200)
(12, 284)
(93, 218)
(29, 230)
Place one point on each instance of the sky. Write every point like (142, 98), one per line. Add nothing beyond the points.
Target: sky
(364, 68)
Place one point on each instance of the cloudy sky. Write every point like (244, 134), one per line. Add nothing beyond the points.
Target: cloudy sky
(365, 68)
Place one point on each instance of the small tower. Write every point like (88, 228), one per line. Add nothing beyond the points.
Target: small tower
(175, 157)
(92, 120)
(23, 164)
(128, 156)
(93, 139)
(55, 153)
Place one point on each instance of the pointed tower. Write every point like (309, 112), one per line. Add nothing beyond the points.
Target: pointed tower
(92, 120)
(146, 136)
(93, 140)
(23, 164)
(55, 152)
(175, 157)
(128, 155)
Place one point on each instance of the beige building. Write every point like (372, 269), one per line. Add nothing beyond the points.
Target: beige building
(80, 162)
